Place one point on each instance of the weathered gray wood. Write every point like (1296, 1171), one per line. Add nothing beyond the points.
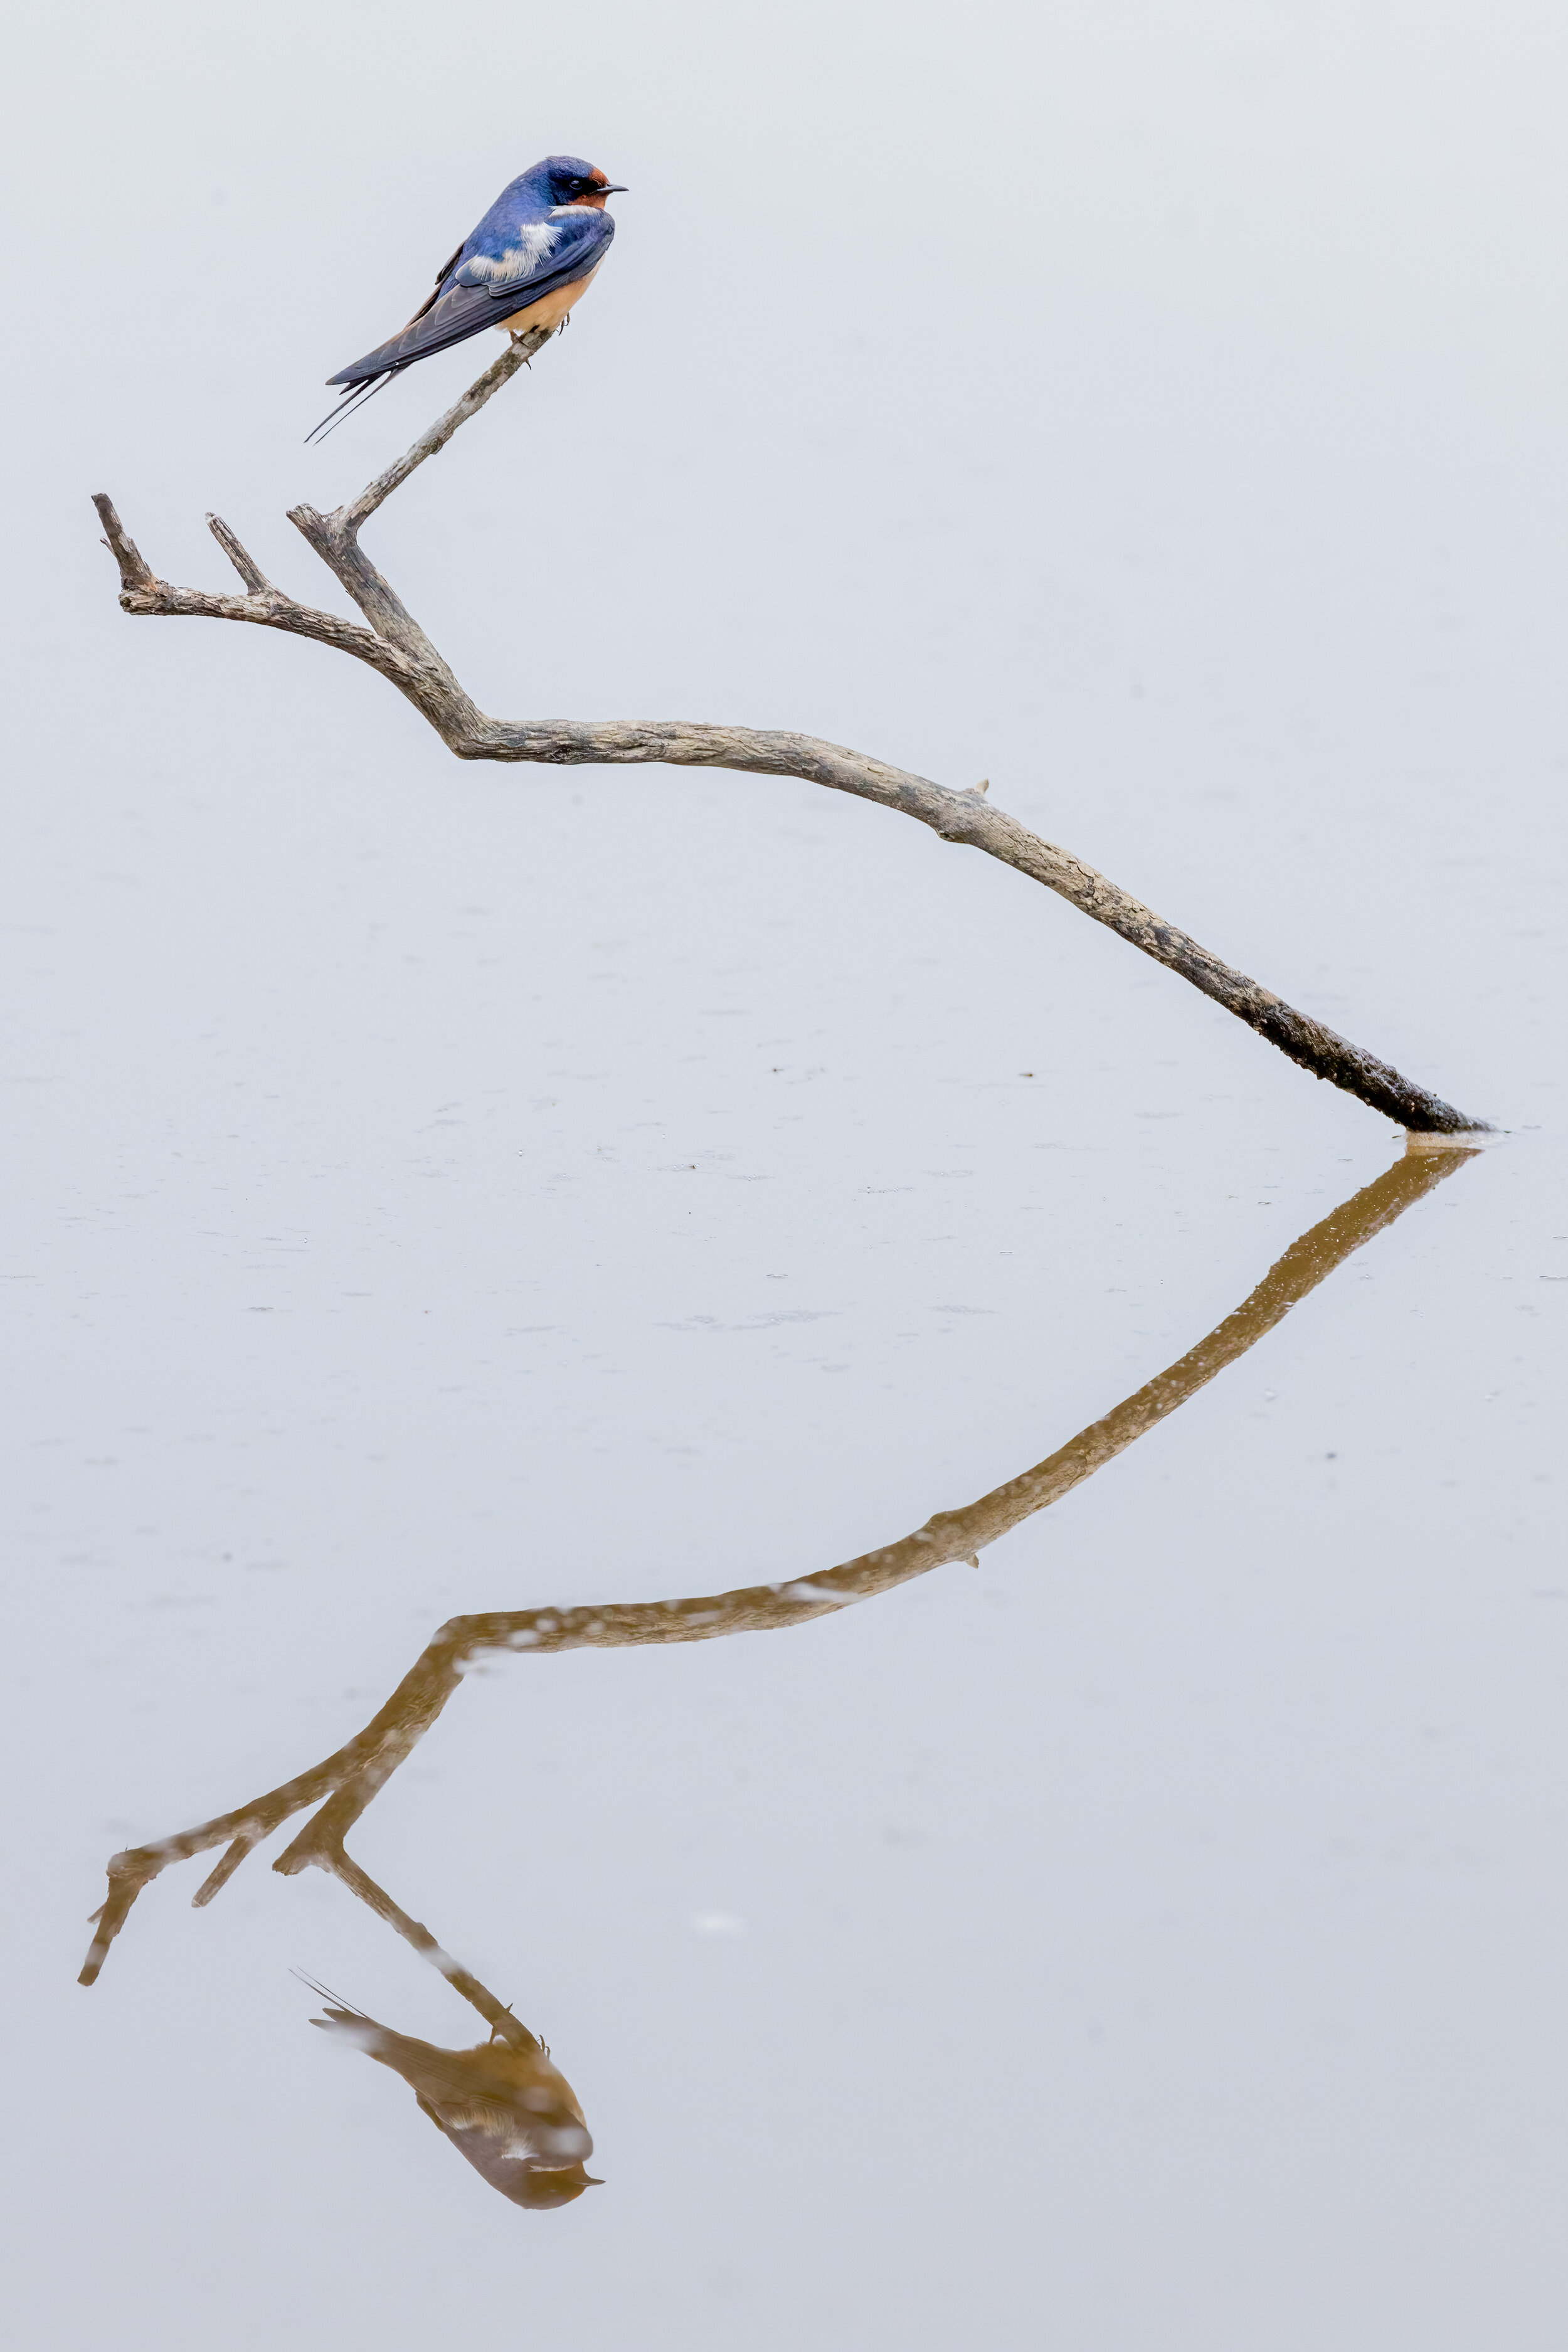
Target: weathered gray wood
(398, 649)
(517, 354)
(256, 584)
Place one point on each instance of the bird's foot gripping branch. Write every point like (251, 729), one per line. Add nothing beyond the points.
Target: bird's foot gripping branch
(395, 644)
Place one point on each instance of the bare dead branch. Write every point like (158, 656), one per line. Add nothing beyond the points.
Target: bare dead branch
(521, 352)
(134, 572)
(962, 817)
(245, 564)
(350, 1779)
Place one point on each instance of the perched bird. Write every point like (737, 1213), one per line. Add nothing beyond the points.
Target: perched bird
(502, 2104)
(531, 259)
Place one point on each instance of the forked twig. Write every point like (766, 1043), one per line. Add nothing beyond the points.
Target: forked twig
(351, 1779)
(397, 647)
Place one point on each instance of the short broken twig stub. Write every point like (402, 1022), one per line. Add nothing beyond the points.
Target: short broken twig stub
(395, 646)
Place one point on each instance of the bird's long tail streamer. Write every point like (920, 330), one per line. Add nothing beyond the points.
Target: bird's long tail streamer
(334, 2000)
(353, 398)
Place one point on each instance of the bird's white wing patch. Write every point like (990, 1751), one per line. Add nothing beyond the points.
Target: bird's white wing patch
(534, 246)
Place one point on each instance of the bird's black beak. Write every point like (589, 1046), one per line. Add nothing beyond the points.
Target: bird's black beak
(613, 188)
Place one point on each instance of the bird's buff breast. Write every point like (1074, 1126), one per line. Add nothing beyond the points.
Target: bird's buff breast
(552, 309)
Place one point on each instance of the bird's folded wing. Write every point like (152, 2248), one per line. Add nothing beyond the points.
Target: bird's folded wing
(489, 287)
(571, 240)
(499, 2157)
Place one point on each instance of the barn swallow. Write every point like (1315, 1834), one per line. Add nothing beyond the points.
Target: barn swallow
(532, 257)
(512, 2114)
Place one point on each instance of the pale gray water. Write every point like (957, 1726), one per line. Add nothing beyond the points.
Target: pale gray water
(437, 1188)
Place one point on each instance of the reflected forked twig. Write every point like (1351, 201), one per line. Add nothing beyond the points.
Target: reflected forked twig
(351, 1779)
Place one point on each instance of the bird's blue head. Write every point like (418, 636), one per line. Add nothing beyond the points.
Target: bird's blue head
(569, 180)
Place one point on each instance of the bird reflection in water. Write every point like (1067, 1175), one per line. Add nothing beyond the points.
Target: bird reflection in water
(505, 2108)
(481, 2098)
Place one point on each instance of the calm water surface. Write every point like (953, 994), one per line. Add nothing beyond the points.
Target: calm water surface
(1080, 1857)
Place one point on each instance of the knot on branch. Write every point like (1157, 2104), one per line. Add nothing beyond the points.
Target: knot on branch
(322, 530)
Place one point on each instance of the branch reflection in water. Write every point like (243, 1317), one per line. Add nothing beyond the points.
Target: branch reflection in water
(509, 2110)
